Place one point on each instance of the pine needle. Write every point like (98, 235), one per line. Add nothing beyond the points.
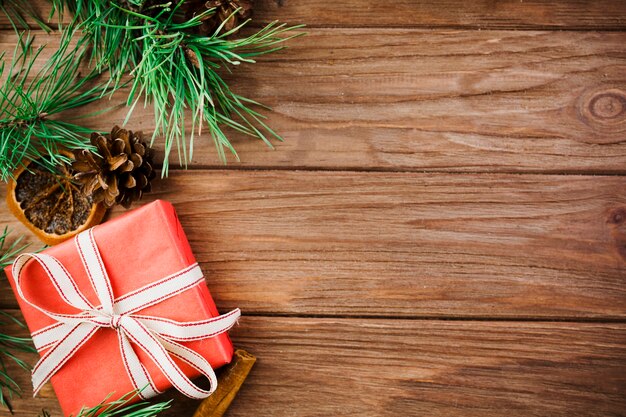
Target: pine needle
(9, 251)
(10, 344)
(30, 99)
(18, 11)
(121, 408)
(177, 70)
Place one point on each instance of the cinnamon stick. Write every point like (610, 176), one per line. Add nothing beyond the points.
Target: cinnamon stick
(228, 383)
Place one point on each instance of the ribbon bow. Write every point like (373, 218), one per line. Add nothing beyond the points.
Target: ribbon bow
(156, 336)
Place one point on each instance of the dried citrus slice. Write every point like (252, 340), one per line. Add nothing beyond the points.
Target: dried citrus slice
(50, 204)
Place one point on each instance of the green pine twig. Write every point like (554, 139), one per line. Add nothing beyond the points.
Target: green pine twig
(121, 408)
(175, 70)
(9, 251)
(10, 344)
(31, 100)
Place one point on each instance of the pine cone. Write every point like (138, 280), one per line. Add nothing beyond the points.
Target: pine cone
(121, 170)
(224, 11)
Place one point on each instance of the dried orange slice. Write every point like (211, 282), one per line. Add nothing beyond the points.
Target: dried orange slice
(50, 204)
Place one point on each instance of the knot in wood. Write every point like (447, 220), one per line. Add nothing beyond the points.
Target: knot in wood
(617, 227)
(608, 105)
(604, 110)
(617, 216)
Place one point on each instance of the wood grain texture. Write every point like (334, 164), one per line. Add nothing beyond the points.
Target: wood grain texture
(443, 101)
(513, 14)
(403, 244)
(455, 101)
(506, 14)
(347, 367)
(346, 275)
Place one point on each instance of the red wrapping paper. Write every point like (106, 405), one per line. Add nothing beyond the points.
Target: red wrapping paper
(140, 247)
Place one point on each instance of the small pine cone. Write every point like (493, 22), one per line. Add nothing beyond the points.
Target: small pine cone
(233, 12)
(121, 170)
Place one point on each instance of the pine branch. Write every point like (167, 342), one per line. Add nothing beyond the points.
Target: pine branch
(9, 251)
(120, 408)
(175, 69)
(30, 101)
(10, 344)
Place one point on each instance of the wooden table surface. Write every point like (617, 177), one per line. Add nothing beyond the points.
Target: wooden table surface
(443, 231)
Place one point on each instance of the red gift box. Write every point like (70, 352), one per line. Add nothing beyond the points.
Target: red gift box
(138, 248)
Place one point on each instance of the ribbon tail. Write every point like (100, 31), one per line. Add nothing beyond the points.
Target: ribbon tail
(60, 353)
(192, 359)
(137, 373)
(141, 336)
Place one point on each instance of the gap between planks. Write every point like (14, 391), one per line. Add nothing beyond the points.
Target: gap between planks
(373, 170)
(477, 319)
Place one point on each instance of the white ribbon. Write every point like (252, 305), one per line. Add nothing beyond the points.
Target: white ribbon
(157, 337)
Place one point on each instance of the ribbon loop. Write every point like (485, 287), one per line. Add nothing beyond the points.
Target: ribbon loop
(157, 337)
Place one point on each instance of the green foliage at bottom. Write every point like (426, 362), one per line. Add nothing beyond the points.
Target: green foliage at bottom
(121, 408)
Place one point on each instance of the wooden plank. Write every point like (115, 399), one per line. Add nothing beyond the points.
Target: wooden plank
(356, 367)
(404, 244)
(443, 101)
(509, 14)
(497, 101)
